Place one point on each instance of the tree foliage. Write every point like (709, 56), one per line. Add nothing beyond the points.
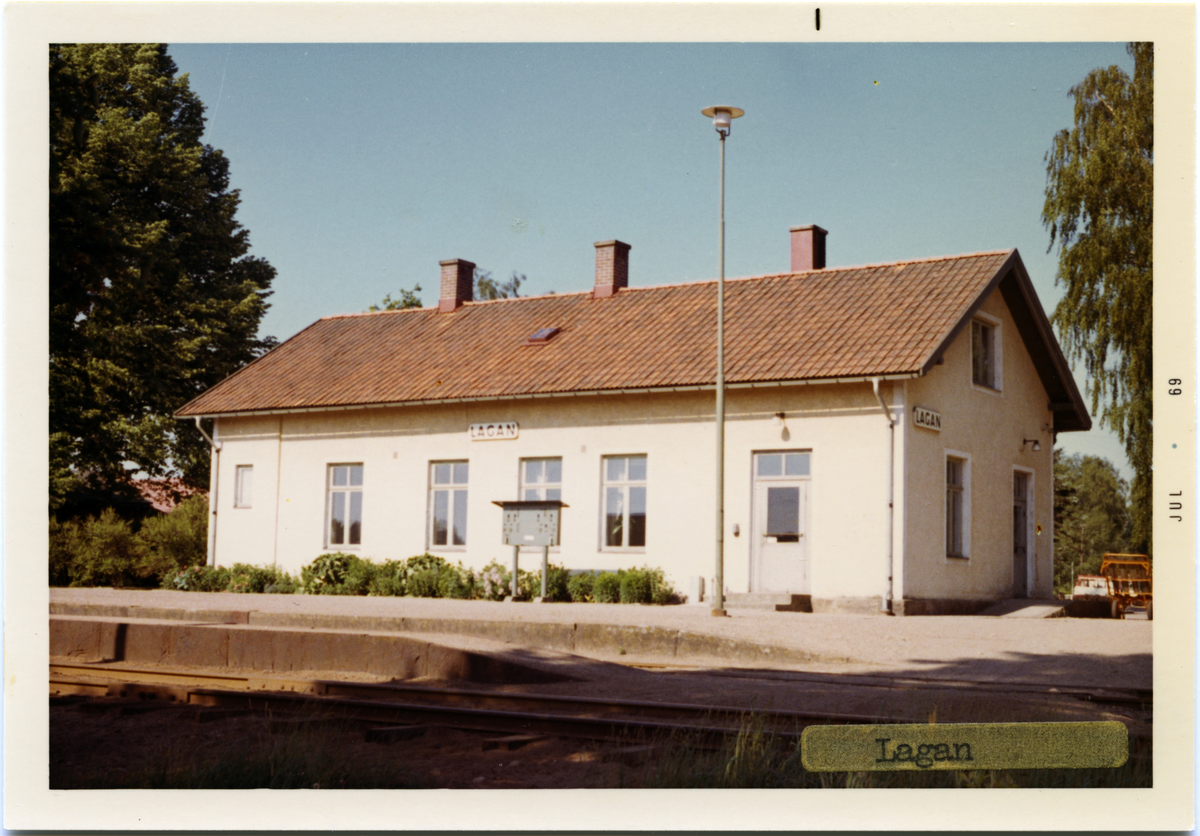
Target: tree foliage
(152, 296)
(405, 300)
(1091, 515)
(487, 288)
(1099, 208)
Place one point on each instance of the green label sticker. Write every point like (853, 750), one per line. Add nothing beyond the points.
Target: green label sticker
(964, 746)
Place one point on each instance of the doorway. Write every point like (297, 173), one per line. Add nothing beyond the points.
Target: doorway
(1020, 534)
(779, 559)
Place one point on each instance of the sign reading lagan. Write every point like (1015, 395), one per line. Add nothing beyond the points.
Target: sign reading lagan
(964, 746)
(927, 418)
(493, 431)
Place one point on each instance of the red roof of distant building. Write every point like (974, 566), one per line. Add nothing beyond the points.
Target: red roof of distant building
(165, 494)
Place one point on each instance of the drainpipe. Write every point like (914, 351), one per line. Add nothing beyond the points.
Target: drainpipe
(214, 469)
(885, 601)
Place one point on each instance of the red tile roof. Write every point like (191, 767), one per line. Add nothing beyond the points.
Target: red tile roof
(832, 323)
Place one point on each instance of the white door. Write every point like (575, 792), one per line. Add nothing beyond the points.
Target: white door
(779, 544)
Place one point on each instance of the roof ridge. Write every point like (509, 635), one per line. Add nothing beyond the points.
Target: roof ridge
(693, 283)
(823, 270)
(473, 302)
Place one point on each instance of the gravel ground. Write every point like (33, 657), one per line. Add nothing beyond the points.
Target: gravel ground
(1091, 652)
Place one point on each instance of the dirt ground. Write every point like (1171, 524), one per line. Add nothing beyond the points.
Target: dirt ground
(96, 745)
(104, 743)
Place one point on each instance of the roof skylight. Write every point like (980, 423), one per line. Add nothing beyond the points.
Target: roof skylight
(542, 336)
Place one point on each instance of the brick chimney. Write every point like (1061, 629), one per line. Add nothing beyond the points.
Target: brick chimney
(612, 268)
(808, 248)
(458, 284)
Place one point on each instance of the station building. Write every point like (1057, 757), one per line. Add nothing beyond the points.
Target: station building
(889, 431)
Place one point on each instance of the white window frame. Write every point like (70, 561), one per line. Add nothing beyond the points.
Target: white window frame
(997, 349)
(966, 507)
(624, 484)
(540, 487)
(543, 486)
(348, 491)
(243, 488)
(452, 489)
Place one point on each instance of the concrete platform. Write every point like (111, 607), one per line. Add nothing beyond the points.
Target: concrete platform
(1058, 650)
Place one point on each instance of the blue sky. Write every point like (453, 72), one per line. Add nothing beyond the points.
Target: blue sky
(362, 165)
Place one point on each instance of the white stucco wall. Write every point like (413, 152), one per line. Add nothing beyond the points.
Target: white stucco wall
(989, 428)
(841, 425)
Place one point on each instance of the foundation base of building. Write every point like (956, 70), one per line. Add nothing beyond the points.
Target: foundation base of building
(941, 606)
(904, 606)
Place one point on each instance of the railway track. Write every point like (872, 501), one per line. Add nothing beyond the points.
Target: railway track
(1142, 697)
(391, 703)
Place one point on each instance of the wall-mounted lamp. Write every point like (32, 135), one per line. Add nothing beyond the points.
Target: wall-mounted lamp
(779, 416)
(1037, 445)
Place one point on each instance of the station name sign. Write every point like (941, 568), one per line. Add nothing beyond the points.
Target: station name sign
(927, 418)
(493, 431)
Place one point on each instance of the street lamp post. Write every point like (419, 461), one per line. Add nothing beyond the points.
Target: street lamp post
(722, 116)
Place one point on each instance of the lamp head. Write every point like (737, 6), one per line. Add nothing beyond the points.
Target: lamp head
(723, 116)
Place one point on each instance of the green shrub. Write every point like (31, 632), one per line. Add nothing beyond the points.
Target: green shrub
(580, 587)
(388, 579)
(423, 583)
(360, 574)
(282, 584)
(326, 574)
(635, 587)
(176, 540)
(243, 578)
(661, 590)
(494, 582)
(199, 579)
(423, 573)
(425, 561)
(66, 540)
(556, 584)
(109, 553)
(607, 588)
(456, 582)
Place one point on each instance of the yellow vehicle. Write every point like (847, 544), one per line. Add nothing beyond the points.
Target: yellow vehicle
(1130, 581)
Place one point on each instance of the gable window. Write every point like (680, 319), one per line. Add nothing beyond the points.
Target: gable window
(957, 506)
(985, 353)
(541, 479)
(243, 486)
(448, 503)
(624, 489)
(344, 508)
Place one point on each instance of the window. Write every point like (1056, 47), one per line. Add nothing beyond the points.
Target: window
(985, 353)
(783, 521)
(624, 486)
(956, 507)
(541, 479)
(448, 503)
(243, 488)
(781, 464)
(345, 504)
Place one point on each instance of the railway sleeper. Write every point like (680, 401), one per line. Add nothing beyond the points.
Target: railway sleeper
(512, 741)
(393, 734)
(485, 720)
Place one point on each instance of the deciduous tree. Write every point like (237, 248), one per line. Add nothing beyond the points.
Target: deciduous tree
(487, 287)
(1099, 209)
(1091, 515)
(153, 297)
(405, 300)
